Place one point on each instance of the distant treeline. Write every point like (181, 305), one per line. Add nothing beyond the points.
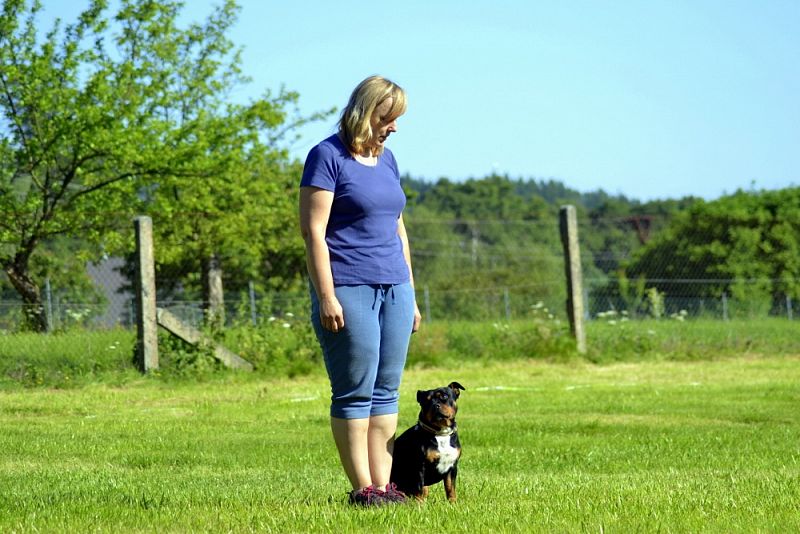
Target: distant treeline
(502, 232)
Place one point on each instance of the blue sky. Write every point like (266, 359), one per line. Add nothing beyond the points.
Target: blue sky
(650, 99)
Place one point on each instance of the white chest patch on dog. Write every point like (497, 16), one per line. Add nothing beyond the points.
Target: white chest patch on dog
(447, 454)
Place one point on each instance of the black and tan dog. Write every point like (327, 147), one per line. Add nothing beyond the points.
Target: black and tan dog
(428, 452)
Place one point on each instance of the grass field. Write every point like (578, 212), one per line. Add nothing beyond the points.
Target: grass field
(653, 446)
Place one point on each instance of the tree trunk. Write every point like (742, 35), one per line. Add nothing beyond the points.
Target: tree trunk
(32, 308)
(213, 299)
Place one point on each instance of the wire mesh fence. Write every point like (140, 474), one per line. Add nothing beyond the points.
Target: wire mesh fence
(479, 270)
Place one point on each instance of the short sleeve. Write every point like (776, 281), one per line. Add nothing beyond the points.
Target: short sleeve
(392, 162)
(320, 169)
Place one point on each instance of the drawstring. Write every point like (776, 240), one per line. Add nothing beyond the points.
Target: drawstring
(381, 291)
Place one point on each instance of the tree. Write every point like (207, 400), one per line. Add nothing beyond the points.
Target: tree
(493, 237)
(746, 245)
(245, 222)
(103, 117)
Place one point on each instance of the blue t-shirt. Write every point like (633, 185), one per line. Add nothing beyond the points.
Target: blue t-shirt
(367, 203)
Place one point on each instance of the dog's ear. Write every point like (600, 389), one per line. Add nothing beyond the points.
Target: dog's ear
(455, 386)
(422, 396)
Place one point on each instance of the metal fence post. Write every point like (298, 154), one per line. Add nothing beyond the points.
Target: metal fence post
(572, 265)
(145, 283)
(427, 296)
(253, 309)
(724, 306)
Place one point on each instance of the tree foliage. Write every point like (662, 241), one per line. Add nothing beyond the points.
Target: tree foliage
(497, 233)
(747, 244)
(116, 115)
(474, 241)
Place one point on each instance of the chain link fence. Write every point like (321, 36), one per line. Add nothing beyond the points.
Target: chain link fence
(480, 270)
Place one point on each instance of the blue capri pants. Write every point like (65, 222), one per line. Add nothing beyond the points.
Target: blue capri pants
(365, 360)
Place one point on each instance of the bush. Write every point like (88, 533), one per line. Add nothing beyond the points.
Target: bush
(278, 345)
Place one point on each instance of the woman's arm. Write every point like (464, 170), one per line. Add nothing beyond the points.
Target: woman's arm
(401, 231)
(315, 209)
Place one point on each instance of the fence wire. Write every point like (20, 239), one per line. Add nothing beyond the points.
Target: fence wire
(480, 270)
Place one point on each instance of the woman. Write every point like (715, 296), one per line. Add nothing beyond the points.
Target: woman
(362, 303)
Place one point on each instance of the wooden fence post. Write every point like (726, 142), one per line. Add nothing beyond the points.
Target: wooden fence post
(48, 293)
(572, 266)
(145, 283)
(215, 303)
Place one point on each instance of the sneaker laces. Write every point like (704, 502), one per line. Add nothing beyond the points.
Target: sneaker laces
(393, 494)
(371, 492)
(367, 496)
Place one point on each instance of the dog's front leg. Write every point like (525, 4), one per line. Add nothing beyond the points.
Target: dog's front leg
(450, 484)
(421, 490)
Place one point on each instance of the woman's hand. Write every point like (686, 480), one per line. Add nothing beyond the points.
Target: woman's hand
(417, 318)
(331, 314)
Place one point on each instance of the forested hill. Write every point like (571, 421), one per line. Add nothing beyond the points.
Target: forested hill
(496, 232)
(553, 193)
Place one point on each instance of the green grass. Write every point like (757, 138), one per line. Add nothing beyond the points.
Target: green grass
(693, 339)
(677, 446)
(287, 347)
(544, 338)
(66, 359)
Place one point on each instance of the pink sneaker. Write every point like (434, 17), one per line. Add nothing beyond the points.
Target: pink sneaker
(392, 494)
(368, 496)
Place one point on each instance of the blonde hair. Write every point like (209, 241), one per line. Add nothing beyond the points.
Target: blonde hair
(355, 124)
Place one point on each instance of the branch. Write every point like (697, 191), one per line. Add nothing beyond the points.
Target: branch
(70, 175)
(16, 119)
(131, 174)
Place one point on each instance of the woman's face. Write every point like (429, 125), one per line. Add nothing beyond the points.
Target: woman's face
(381, 127)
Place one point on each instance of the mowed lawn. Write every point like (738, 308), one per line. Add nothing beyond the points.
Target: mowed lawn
(572, 447)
